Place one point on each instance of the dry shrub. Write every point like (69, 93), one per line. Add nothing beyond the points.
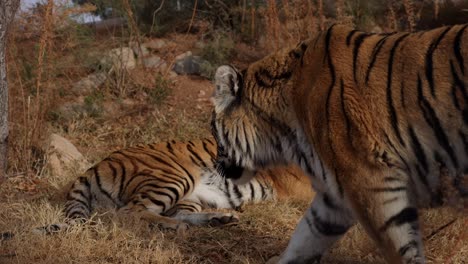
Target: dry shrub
(47, 53)
(290, 21)
(287, 22)
(30, 92)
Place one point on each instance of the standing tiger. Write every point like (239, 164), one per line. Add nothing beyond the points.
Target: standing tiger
(372, 118)
(170, 183)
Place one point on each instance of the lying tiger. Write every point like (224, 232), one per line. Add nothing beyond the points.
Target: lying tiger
(170, 183)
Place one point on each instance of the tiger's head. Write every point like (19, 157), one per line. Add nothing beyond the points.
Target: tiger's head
(251, 119)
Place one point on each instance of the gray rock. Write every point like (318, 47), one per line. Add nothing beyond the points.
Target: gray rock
(190, 65)
(119, 58)
(140, 51)
(89, 83)
(183, 55)
(63, 156)
(172, 74)
(155, 44)
(154, 62)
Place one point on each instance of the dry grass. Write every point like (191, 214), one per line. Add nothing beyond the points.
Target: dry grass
(113, 239)
(263, 232)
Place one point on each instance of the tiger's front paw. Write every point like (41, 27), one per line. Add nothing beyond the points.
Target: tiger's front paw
(223, 220)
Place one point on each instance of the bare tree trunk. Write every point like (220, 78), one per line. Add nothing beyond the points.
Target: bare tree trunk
(7, 12)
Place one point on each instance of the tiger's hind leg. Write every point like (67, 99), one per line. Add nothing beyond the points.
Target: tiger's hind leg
(153, 214)
(383, 206)
(323, 223)
(190, 212)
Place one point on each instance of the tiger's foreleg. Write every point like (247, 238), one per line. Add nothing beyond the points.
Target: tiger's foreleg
(382, 203)
(190, 212)
(322, 225)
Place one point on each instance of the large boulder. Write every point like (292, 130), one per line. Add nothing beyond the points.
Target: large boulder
(63, 156)
(119, 58)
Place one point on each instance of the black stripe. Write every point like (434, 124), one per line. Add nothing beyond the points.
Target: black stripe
(262, 189)
(228, 193)
(456, 49)
(405, 216)
(328, 202)
(262, 76)
(418, 150)
(428, 60)
(388, 189)
(338, 183)
(99, 185)
(122, 180)
(327, 228)
(114, 171)
(350, 35)
(357, 44)
(345, 114)
(402, 92)
(432, 120)
(85, 180)
(252, 191)
(237, 192)
(391, 107)
(332, 73)
(395, 150)
(207, 150)
(422, 177)
(195, 154)
(327, 103)
(161, 193)
(75, 215)
(169, 147)
(305, 161)
(154, 201)
(458, 83)
(391, 200)
(392, 179)
(187, 207)
(77, 201)
(373, 57)
(464, 140)
(78, 192)
(412, 244)
(324, 173)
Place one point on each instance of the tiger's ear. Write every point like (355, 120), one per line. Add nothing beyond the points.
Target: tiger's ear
(228, 82)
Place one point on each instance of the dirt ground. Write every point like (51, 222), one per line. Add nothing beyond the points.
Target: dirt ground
(264, 230)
